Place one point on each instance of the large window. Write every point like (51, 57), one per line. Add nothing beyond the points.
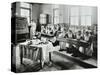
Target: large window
(74, 20)
(74, 16)
(43, 18)
(86, 20)
(86, 16)
(80, 16)
(56, 15)
(25, 9)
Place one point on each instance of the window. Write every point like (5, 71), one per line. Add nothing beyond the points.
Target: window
(56, 15)
(74, 20)
(25, 13)
(74, 11)
(56, 19)
(86, 16)
(25, 9)
(43, 18)
(25, 5)
(74, 16)
(88, 20)
(81, 16)
(85, 10)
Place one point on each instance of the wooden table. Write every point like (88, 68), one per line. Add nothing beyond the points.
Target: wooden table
(76, 42)
(28, 55)
(43, 48)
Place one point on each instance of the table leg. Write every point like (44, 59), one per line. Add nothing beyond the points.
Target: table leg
(29, 53)
(25, 52)
(50, 56)
(50, 60)
(21, 54)
(36, 54)
(23, 49)
(33, 55)
(40, 51)
(85, 51)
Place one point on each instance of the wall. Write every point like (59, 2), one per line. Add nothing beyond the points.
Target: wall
(63, 12)
(94, 13)
(18, 9)
(36, 9)
(15, 9)
(48, 9)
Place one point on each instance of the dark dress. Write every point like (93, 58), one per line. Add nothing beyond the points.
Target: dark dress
(56, 43)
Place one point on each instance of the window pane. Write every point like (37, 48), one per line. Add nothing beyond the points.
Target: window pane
(83, 20)
(26, 5)
(56, 12)
(74, 20)
(88, 20)
(42, 18)
(74, 11)
(56, 20)
(85, 11)
(56, 16)
(25, 13)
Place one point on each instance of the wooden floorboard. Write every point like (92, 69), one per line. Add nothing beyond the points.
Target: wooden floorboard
(73, 59)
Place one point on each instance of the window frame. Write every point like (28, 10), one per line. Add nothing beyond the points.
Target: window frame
(29, 9)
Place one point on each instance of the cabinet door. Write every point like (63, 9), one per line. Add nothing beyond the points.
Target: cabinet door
(21, 25)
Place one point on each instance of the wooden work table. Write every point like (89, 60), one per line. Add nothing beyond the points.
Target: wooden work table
(74, 41)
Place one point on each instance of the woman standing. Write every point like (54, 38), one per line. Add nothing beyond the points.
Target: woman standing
(32, 29)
